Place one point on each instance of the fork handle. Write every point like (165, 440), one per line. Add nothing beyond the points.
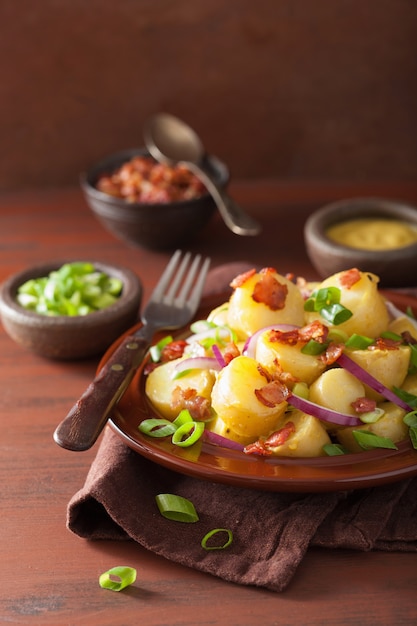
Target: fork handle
(87, 418)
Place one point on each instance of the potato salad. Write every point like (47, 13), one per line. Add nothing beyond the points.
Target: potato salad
(287, 368)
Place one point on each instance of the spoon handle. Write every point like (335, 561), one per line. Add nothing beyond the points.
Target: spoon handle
(233, 215)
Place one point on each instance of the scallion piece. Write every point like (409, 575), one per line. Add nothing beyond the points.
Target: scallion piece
(411, 419)
(326, 301)
(313, 347)
(183, 417)
(390, 335)
(359, 342)
(157, 427)
(336, 314)
(205, 542)
(371, 416)
(368, 440)
(117, 578)
(176, 508)
(187, 434)
(334, 449)
(413, 436)
(156, 350)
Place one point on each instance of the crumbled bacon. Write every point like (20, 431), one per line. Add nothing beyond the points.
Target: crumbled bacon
(363, 405)
(383, 343)
(408, 337)
(241, 279)
(332, 353)
(350, 278)
(316, 330)
(198, 406)
(264, 447)
(230, 352)
(269, 290)
(173, 350)
(272, 393)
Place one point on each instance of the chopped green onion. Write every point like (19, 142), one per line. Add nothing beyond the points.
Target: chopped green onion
(336, 314)
(176, 508)
(334, 449)
(326, 301)
(409, 311)
(413, 436)
(117, 578)
(74, 289)
(390, 335)
(313, 347)
(368, 440)
(205, 542)
(301, 390)
(187, 434)
(371, 416)
(411, 419)
(359, 342)
(406, 396)
(157, 427)
(183, 417)
(156, 350)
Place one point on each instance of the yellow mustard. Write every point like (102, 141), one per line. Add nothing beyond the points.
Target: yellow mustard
(373, 234)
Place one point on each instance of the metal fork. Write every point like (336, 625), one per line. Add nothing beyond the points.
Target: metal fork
(172, 305)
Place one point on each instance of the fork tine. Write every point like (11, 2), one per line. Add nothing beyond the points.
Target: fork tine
(179, 274)
(194, 301)
(190, 279)
(167, 275)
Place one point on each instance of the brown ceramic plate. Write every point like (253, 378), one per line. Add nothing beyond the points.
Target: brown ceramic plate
(209, 462)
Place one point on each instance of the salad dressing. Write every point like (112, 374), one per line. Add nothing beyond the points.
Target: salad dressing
(373, 234)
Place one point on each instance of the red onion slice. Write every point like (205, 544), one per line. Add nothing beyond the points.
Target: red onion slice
(249, 349)
(323, 413)
(367, 378)
(198, 362)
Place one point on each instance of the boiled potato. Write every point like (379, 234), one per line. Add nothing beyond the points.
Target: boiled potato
(390, 425)
(410, 384)
(234, 399)
(218, 426)
(370, 316)
(219, 315)
(336, 389)
(308, 439)
(389, 367)
(403, 324)
(246, 316)
(304, 367)
(160, 385)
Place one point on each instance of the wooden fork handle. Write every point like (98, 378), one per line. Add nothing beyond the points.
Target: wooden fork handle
(87, 418)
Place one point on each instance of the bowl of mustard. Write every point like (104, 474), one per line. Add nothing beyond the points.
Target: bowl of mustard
(375, 235)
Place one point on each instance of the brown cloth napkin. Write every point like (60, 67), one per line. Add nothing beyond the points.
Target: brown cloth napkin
(271, 531)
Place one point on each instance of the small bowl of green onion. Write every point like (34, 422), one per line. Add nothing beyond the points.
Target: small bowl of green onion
(71, 309)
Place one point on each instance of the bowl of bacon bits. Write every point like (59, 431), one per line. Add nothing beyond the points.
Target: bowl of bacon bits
(149, 204)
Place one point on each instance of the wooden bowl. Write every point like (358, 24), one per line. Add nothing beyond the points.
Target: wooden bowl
(395, 267)
(69, 337)
(150, 225)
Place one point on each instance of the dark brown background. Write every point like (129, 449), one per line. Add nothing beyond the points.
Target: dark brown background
(287, 89)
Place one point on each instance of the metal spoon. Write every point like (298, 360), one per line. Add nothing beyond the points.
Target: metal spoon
(171, 141)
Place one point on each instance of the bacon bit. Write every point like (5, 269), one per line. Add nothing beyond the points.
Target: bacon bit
(257, 447)
(332, 353)
(408, 337)
(150, 366)
(279, 437)
(198, 406)
(173, 350)
(272, 394)
(230, 352)
(304, 287)
(241, 279)
(287, 337)
(264, 372)
(263, 447)
(316, 330)
(364, 405)
(350, 278)
(269, 290)
(385, 344)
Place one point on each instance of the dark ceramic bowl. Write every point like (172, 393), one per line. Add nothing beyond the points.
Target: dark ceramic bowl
(64, 337)
(395, 267)
(156, 225)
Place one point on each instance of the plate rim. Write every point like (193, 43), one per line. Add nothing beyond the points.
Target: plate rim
(387, 465)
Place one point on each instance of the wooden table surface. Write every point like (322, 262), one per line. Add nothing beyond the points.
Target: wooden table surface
(50, 576)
